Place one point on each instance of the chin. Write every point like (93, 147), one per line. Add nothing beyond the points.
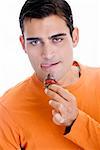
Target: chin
(57, 76)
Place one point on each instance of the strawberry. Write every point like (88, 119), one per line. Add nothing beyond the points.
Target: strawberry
(49, 80)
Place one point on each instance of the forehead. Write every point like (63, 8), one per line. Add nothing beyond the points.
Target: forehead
(49, 25)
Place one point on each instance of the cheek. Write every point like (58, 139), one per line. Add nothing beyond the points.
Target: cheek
(67, 48)
(32, 53)
(67, 53)
(67, 58)
(35, 59)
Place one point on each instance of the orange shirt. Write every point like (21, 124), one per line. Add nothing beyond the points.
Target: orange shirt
(26, 120)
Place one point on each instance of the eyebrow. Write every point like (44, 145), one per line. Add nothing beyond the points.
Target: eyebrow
(51, 37)
(33, 38)
(57, 35)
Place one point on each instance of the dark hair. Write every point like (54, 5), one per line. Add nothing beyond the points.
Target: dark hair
(43, 8)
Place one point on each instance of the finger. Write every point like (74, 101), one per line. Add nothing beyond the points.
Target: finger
(53, 111)
(57, 118)
(54, 96)
(59, 107)
(64, 93)
(56, 105)
(54, 120)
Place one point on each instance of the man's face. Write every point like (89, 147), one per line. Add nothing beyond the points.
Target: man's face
(49, 46)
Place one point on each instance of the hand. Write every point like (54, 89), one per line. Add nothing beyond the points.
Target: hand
(64, 105)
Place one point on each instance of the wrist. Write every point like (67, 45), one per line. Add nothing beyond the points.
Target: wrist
(68, 128)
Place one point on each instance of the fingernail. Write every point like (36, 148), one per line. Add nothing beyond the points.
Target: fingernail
(46, 91)
(62, 120)
(50, 102)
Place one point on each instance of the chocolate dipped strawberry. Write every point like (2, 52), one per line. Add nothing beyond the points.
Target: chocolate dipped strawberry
(49, 80)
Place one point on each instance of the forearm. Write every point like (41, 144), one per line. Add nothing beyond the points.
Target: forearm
(85, 132)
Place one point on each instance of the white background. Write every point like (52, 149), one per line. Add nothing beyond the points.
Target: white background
(14, 64)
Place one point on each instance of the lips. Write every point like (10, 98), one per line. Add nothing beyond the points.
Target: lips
(48, 65)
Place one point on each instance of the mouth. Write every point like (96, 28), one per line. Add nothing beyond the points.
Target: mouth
(49, 65)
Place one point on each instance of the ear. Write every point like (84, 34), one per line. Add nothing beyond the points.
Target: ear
(75, 37)
(22, 41)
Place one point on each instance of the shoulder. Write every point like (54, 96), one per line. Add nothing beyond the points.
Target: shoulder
(21, 85)
(19, 96)
(17, 93)
(92, 77)
(91, 72)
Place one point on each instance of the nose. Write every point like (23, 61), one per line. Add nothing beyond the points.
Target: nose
(48, 52)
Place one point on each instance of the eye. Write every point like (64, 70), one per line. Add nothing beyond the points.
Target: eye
(57, 39)
(35, 42)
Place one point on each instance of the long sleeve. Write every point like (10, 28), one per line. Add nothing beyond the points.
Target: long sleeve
(85, 132)
(10, 138)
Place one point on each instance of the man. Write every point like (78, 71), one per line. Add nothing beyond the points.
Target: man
(59, 116)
